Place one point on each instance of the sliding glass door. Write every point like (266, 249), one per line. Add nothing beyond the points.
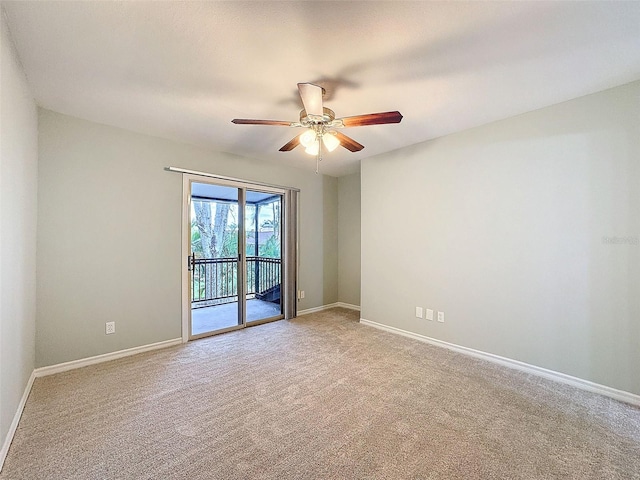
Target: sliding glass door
(263, 242)
(214, 260)
(234, 256)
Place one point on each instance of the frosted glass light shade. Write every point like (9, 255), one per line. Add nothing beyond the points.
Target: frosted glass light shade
(308, 138)
(314, 148)
(330, 141)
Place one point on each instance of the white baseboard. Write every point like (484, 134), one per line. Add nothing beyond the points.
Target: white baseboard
(84, 362)
(620, 395)
(327, 307)
(350, 306)
(16, 419)
(307, 311)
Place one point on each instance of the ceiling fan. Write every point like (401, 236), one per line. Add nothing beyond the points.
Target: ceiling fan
(320, 123)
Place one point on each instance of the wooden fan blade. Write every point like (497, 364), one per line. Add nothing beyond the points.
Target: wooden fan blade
(311, 96)
(372, 119)
(295, 141)
(348, 143)
(248, 121)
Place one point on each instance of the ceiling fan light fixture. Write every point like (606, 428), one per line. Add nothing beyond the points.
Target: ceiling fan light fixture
(308, 138)
(319, 123)
(313, 148)
(330, 141)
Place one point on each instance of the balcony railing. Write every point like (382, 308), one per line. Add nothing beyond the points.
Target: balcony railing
(215, 280)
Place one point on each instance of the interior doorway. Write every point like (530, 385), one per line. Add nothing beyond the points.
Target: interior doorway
(236, 270)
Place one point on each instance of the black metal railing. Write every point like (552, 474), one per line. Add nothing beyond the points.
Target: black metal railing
(262, 274)
(215, 280)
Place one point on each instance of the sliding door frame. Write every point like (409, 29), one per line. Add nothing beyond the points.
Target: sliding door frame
(288, 254)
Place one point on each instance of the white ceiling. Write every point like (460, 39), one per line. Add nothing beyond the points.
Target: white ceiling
(183, 70)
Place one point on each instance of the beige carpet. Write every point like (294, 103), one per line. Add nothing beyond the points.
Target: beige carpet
(316, 398)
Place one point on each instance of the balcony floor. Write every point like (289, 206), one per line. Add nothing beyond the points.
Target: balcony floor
(217, 317)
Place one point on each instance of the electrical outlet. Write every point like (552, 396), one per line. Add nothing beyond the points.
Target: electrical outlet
(429, 315)
(110, 327)
(301, 294)
(419, 312)
(441, 317)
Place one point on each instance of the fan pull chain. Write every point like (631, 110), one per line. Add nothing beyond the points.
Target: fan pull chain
(319, 156)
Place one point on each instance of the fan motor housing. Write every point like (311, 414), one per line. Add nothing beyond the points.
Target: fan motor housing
(327, 117)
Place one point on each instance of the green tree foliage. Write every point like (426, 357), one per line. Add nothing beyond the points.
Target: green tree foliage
(230, 241)
(196, 243)
(271, 248)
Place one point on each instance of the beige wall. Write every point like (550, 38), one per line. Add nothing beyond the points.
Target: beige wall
(18, 189)
(109, 234)
(505, 228)
(330, 241)
(349, 239)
